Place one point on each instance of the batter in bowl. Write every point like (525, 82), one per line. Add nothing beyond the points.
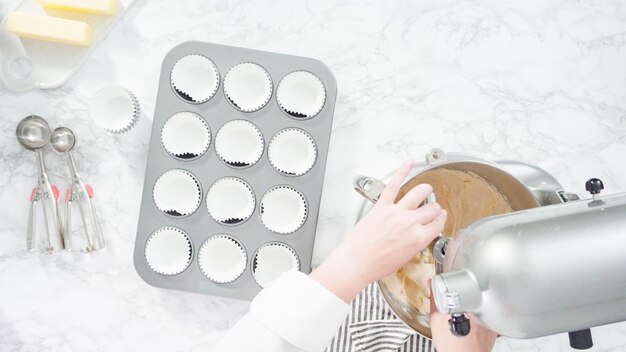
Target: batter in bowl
(467, 197)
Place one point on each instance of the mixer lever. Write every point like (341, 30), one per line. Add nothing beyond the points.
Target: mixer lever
(581, 339)
(459, 325)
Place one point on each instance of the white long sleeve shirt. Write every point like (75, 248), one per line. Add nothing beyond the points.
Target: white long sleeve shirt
(293, 314)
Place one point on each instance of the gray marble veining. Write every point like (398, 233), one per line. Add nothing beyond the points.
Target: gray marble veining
(538, 81)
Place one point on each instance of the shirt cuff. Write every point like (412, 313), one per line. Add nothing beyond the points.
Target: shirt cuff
(300, 310)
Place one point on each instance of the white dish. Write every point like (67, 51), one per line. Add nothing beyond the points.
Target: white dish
(230, 201)
(27, 64)
(168, 251)
(301, 94)
(239, 143)
(248, 86)
(186, 135)
(177, 193)
(195, 78)
(272, 260)
(222, 259)
(292, 152)
(114, 109)
(283, 209)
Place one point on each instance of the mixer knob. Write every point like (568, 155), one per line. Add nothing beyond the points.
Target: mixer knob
(594, 186)
(581, 340)
(459, 325)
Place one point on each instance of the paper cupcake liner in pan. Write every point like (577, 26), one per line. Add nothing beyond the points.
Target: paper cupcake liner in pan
(271, 261)
(230, 201)
(168, 251)
(186, 136)
(283, 209)
(301, 94)
(248, 86)
(292, 152)
(222, 259)
(177, 193)
(195, 78)
(114, 109)
(239, 143)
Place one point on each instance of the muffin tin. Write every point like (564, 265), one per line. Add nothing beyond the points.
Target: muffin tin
(235, 169)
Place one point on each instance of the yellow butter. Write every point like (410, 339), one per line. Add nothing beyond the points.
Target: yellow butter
(52, 29)
(98, 7)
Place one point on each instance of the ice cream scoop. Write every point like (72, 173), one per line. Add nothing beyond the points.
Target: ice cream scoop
(79, 194)
(33, 133)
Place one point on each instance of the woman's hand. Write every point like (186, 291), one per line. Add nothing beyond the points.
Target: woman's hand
(480, 339)
(384, 240)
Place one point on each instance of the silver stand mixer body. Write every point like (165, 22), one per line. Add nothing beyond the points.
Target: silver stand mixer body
(541, 271)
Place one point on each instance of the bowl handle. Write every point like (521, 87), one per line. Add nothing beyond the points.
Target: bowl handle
(436, 156)
(369, 187)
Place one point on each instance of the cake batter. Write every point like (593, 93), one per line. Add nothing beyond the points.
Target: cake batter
(467, 197)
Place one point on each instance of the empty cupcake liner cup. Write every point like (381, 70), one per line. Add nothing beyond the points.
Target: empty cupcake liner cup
(195, 78)
(168, 251)
(239, 143)
(301, 94)
(230, 201)
(222, 259)
(177, 193)
(248, 86)
(283, 210)
(292, 152)
(272, 260)
(186, 136)
(114, 109)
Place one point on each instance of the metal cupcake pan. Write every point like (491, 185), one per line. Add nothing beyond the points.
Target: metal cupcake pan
(283, 180)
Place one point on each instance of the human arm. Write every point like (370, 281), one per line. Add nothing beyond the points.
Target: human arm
(299, 313)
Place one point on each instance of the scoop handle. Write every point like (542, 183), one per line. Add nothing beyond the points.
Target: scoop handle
(48, 195)
(79, 196)
(45, 194)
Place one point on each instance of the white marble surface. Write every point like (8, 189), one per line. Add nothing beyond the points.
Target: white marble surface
(539, 81)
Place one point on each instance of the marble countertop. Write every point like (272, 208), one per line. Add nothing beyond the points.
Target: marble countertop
(537, 81)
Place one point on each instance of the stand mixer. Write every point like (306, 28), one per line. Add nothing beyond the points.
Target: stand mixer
(555, 267)
(538, 272)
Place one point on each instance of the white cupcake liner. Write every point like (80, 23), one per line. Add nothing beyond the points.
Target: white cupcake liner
(186, 135)
(177, 193)
(271, 261)
(283, 209)
(292, 152)
(248, 86)
(239, 143)
(114, 109)
(301, 94)
(168, 251)
(195, 78)
(222, 259)
(230, 201)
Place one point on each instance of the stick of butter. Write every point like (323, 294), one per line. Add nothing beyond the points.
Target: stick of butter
(52, 29)
(98, 7)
